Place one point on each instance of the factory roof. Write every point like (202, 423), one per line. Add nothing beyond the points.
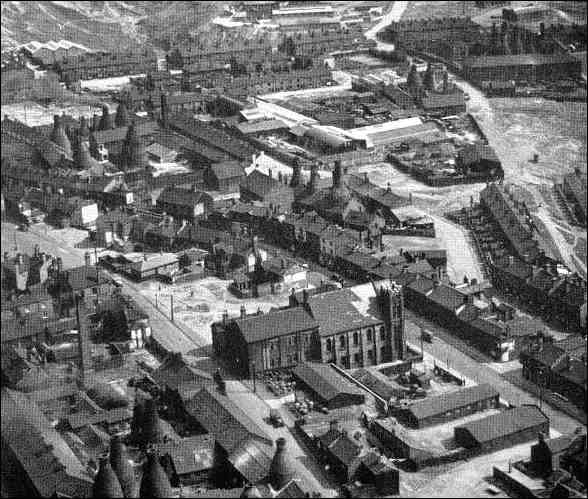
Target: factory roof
(432, 406)
(517, 60)
(325, 381)
(504, 424)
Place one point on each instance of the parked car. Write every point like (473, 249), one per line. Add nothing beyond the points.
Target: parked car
(275, 418)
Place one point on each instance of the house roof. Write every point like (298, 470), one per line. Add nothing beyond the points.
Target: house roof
(48, 462)
(504, 424)
(447, 297)
(160, 151)
(183, 197)
(86, 276)
(341, 446)
(190, 454)
(559, 444)
(227, 169)
(431, 406)
(343, 310)
(177, 374)
(261, 184)
(377, 382)
(275, 323)
(119, 134)
(79, 420)
(325, 381)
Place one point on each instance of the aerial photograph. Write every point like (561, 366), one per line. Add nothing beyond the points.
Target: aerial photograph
(293, 249)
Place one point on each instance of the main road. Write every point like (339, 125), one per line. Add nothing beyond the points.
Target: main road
(393, 15)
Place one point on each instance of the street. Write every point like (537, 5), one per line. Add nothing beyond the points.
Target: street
(393, 15)
(480, 372)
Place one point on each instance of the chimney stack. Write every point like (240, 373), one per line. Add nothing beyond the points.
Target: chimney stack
(281, 470)
(243, 312)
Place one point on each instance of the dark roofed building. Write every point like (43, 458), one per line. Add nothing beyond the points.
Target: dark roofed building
(279, 338)
(508, 428)
(184, 204)
(444, 104)
(522, 67)
(188, 461)
(273, 192)
(224, 177)
(452, 405)
(574, 188)
(480, 159)
(241, 441)
(330, 388)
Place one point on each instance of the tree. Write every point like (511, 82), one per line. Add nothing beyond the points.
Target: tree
(413, 82)
(429, 80)
(288, 47)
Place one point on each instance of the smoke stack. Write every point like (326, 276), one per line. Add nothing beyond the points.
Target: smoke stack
(243, 312)
(122, 467)
(313, 183)
(106, 121)
(281, 470)
(164, 111)
(84, 352)
(106, 483)
(155, 482)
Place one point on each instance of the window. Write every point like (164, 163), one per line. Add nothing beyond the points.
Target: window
(369, 335)
(329, 345)
(355, 338)
(342, 341)
(371, 355)
(383, 353)
(292, 340)
(382, 333)
(357, 358)
(307, 339)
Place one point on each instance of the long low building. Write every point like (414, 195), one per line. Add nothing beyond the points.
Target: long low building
(522, 67)
(395, 132)
(450, 406)
(330, 388)
(509, 428)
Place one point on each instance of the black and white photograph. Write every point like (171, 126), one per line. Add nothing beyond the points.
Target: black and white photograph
(293, 249)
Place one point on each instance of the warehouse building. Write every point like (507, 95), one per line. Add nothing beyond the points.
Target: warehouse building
(522, 67)
(450, 406)
(329, 387)
(509, 428)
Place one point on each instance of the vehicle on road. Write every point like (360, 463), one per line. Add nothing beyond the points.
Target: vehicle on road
(427, 335)
(275, 418)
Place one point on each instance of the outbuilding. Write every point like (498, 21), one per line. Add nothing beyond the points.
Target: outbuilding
(509, 428)
(330, 388)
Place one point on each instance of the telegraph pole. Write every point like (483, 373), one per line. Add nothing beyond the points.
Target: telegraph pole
(171, 306)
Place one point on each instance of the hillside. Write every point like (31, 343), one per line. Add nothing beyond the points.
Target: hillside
(103, 25)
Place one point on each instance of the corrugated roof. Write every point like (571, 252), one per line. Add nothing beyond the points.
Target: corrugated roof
(504, 424)
(325, 381)
(440, 404)
(275, 323)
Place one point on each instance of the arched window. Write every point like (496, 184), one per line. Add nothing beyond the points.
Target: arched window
(329, 345)
(369, 334)
(342, 341)
(355, 338)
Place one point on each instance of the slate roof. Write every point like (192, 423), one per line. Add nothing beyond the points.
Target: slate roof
(325, 381)
(261, 184)
(179, 196)
(190, 454)
(261, 126)
(559, 444)
(380, 195)
(227, 169)
(177, 374)
(275, 323)
(342, 310)
(341, 446)
(435, 101)
(431, 406)
(447, 297)
(504, 424)
(248, 447)
(119, 134)
(48, 462)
